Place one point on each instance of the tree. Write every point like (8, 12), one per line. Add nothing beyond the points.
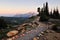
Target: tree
(3, 24)
(44, 13)
(38, 10)
(46, 9)
(56, 14)
(51, 14)
(43, 17)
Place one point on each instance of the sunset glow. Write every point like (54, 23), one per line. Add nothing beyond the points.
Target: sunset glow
(24, 6)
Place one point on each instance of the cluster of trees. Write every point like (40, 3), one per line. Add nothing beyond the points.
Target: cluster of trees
(3, 24)
(45, 14)
(55, 14)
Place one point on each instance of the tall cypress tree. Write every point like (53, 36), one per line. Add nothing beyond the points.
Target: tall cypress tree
(46, 9)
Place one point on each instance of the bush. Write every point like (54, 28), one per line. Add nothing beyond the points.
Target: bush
(55, 27)
(44, 18)
(3, 34)
(3, 24)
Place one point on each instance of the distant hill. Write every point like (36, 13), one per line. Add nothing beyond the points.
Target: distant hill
(14, 20)
(25, 14)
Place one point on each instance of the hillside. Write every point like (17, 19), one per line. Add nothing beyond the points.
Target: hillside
(32, 26)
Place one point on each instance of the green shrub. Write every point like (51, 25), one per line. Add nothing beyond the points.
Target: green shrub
(55, 27)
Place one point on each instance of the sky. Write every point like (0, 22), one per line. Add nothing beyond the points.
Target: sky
(11, 7)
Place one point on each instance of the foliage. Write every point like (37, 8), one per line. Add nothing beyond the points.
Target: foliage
(30, 19)
(55, 27)
(3, 24)
(56, 14)
(3, 33)
(44, 13)
(44, 18)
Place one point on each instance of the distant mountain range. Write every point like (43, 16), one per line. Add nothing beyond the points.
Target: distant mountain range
(25, 14)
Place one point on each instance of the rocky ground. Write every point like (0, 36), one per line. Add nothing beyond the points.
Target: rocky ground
(48, 35)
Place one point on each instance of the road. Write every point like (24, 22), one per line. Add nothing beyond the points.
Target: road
(31, 34)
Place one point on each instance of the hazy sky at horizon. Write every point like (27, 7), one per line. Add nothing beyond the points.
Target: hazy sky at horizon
(11, 7)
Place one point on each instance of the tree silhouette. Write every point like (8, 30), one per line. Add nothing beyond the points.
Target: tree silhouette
(46, 9)
(51, 14)
(43, 17)
(44, 13)
(56, 14)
